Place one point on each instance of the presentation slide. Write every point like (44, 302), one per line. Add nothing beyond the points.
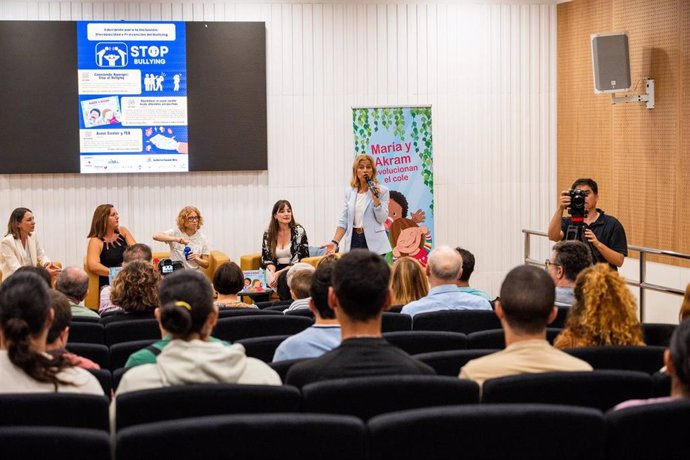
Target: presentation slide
(132, 79)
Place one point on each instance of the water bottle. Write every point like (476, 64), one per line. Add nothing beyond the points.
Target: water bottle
(187, 251)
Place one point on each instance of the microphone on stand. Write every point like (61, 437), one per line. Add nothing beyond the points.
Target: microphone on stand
(371, 185)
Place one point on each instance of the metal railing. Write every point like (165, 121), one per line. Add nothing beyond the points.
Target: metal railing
(642, 283)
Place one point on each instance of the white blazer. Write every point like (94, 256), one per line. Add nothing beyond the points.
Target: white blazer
(13, 255)
(374, 218)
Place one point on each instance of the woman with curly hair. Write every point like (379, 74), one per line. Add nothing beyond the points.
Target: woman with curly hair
(187, 243)
(408, 281)
(135, 290)
(604, 312)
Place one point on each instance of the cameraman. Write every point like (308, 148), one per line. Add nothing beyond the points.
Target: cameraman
(605, 234)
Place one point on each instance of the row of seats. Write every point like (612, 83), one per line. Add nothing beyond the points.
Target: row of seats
(363, 397)
(520, 431)
(241, 324)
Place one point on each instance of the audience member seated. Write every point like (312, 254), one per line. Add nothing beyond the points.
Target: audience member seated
(685, 306)
(299, 279)
(525, 308)
(188, 315)
(408, 281)
(228, 280)
(284, 244)
(324, 335)
(25, 319)
(604, 312)
(677, 361)
(73, 282)
(359, 296)
(467, 270)
(40, 271)
(138, 251)
(187, 243)
(107, 242)
(135, 290)
(568, 259)
(59, 332)
(443, 270)
(20, 246)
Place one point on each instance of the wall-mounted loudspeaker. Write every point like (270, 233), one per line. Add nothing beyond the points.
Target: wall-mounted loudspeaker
(611, 62)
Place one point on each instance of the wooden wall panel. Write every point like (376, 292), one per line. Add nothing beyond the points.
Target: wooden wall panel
(638, 156)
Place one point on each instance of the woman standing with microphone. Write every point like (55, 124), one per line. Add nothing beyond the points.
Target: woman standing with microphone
(361, 224)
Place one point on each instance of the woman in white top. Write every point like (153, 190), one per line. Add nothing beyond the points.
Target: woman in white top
(284, 244)
(25, 319)
(20, 247)
(187, 235)
(362, 222)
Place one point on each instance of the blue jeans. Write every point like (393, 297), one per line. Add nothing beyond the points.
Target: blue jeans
(358, 241)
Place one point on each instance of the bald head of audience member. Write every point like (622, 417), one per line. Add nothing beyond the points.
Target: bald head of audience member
(138, 251)
(444, 266)
(73, 282)
(526, 304)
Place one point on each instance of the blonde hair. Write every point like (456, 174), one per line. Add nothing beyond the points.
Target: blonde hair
(685, 306)
(184, 213)
(604, 312)
(408, 281)
(354, 182)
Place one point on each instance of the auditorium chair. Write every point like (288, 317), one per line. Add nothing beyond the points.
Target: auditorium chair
(465, 321)
(105, 378)
(86, 332)
(391, 322)
(649, 431)
(216, 258)
(662, 384)
(97, 353)
(22, 443)
(647, 359)
(128, 331)
(243, 327)
(262, 348)
(449, 362)
(495, 338)
(416, 342)
(282, 367)
(598, 389)
(120, 352)
(489, 432)
(292, 436)
(187, 401)
(53, 409)
(658, 334)
(228, 312)
(366, 397)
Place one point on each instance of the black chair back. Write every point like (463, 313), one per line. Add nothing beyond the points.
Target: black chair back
(658, 334)
(495, 338)
(120, 352)
(598, 389)
(117, 376)
(465, 321)
(416, 342)
(559, 322)
(131, 330)
(86, 319)
(647, 359)
(662, 384)
(305, 312)
(67, 410)
(273, 303)
(262, 348)
(105, 378)
(244, 327)
(392, 322)
(187, 401)
(97, 353)
(250, 437)
(231, 312)
(366, 397)
(282, 367)
(83, 332)
(450, 362)
(649, 431)
(22, 443)
(483, 432)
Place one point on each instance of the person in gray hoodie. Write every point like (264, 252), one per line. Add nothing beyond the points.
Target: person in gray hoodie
(189, 315)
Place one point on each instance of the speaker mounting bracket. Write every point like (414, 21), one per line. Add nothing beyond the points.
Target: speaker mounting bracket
(647, 97)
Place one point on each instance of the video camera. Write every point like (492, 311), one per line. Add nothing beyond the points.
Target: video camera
(577, 203)
(167, 266)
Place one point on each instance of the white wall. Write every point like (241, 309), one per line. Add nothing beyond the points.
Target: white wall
(487, 69)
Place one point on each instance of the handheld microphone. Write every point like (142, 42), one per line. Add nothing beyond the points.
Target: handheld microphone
(371, 185)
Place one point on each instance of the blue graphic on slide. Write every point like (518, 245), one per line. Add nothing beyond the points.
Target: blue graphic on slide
(132, 96)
